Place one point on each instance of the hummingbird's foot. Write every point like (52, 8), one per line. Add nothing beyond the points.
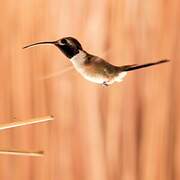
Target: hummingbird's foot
(105, 84)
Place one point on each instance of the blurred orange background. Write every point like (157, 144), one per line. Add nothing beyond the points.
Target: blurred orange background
(128, 131)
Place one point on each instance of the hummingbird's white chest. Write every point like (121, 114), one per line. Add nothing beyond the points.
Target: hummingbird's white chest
(86, 71)
(79, 64)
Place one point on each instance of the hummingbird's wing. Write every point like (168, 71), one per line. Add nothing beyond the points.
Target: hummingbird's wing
(101, 66)
(55, 74)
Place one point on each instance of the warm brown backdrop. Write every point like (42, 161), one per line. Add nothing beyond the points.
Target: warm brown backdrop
(129, 131)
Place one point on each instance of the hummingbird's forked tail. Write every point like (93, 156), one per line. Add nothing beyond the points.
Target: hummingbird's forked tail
(134, 67)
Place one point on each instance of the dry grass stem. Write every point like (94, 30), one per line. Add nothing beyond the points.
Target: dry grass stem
(26, 122)
(21, 153)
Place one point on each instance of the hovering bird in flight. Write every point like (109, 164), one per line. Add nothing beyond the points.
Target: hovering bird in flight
(91, 67)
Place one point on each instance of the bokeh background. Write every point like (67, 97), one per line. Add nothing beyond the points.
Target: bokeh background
(128, 131)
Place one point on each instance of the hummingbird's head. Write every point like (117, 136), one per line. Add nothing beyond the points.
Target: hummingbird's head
(68, 45)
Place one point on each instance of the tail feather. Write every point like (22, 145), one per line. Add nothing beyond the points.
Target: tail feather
(134, 67)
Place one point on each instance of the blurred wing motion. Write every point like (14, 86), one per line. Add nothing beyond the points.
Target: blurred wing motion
(59, 73)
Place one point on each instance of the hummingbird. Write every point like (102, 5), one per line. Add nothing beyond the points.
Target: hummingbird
(91, 67)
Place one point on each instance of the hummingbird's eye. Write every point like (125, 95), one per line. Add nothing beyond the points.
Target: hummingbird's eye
(64, 41)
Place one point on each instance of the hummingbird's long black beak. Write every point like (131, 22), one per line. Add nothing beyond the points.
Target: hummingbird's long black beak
(39, 43)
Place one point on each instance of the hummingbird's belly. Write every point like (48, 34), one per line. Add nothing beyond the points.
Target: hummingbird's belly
(92, 76)
(98, 78)
(95, 78)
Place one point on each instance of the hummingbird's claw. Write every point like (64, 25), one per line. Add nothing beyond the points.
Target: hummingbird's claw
(105, 84)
